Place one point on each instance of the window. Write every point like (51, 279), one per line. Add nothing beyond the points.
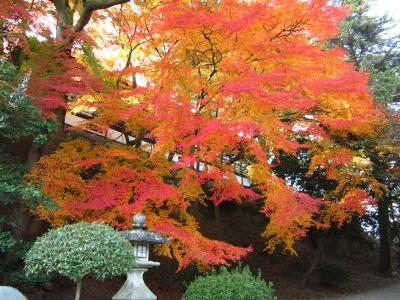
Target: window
(141, 251)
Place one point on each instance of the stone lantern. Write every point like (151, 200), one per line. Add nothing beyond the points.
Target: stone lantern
(141, 238)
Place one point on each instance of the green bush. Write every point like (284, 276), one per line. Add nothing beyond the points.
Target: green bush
(80, 249)
(237, 284)
(22, 278)
(11, 268)
(7, 241)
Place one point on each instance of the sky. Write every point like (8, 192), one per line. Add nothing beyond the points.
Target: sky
(390, 7)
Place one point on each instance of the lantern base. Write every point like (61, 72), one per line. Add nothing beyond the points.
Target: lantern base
(134, 287)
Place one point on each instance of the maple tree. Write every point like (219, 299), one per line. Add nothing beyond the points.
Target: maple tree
(230, 85)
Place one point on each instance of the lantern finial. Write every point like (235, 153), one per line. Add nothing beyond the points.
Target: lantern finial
(138, 221)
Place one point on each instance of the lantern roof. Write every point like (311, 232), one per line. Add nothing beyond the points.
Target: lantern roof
(139, 233)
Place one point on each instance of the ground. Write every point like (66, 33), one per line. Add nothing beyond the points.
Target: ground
(386, 293)
(243, 227)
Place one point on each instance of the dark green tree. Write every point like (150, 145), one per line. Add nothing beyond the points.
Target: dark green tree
(372, 49)
(20, 122)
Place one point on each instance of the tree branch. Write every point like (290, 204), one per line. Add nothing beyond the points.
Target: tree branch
(103, 4)
(89, 6)
(61, 9)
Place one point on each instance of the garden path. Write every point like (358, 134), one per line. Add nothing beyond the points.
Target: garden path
(385, 293)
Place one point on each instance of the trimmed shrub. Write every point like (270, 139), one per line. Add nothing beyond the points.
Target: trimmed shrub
(237, 284)
(80, 249)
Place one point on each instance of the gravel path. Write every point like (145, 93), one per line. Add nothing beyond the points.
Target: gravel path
(385, 293)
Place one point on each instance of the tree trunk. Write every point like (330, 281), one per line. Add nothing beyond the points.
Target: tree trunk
(314, 263)
(78, 289)
(196, 210)
(33, 156)
(196, 204)
(57, 137)
(385, 257)
(21, 220)
(318, 240)
(22, 216)
(217, 217)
